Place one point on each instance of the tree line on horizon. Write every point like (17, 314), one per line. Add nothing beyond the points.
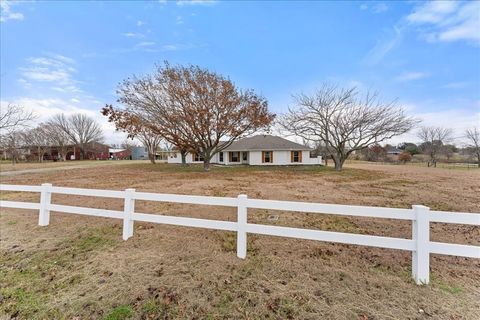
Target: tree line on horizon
(196, 110)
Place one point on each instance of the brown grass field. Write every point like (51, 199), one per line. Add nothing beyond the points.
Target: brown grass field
(79, 267)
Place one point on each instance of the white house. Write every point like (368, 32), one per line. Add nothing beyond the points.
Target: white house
(257, 150)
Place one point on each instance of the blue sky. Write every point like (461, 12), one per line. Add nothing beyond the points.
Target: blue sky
(70, 56)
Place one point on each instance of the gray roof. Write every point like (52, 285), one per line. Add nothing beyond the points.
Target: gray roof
(266, 143)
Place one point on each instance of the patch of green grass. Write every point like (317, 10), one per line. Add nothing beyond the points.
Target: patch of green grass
(442, 206)
(218, 193)
(24, 303)
(162, 167)
(12, 222)
(450, 288)
(225, 304)
(283, 307)
(30, 282)
(228, 242)
(333, 223)
(152, 307)
(90, 243)
(122, 312)
(163, 304)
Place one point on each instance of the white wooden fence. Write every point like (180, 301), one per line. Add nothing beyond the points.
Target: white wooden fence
(421, 216)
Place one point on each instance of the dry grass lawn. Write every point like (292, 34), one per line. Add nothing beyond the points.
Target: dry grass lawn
(8, 166)
(79, 268)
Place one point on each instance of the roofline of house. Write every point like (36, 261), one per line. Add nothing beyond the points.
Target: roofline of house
(271, 149)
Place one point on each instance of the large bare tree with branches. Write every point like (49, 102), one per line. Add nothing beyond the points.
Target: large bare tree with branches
(81, 129)
(14, 117)
(38, 139)
(58, 138)
(473, 137)
(12, 142)
(194, 109)
(344, 122)
(433, 140)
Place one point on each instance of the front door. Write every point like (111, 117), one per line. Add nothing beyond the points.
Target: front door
(245, 157)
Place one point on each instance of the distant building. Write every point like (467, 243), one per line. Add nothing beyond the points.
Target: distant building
(93, 151)
(394, 151)
(139, 153)
(257, 150)
(120, 154)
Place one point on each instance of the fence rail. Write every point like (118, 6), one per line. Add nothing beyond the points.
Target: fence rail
(421, 216)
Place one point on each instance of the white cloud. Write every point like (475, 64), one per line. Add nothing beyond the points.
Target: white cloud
(379, 7)
(48, 107)
(133, 35)
(140, 23)
(448, 21)
(432, 12)
(436, 21)
(170, 47)
(456, 85)
(179, 20)
(52, 68)
(409, 76)
(457, 119)
(24, 82)
(146, 44)
(383, 47)
(196, 2)
(6, 12)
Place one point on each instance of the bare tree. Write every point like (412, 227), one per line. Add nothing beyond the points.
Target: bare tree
(151, 141)
(433, 139)
(81, 129)
(194, 109)
(12, 142)
(38, 139)
(14, 117)
(344, 122)
(135, 127)
(58, 138)
(127, 144)
(473, 136)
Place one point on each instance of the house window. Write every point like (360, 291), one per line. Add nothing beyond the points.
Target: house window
(296, 156)
(267, 156)
(244, 156)
(197, 157)
(221, 156)
(234, 156)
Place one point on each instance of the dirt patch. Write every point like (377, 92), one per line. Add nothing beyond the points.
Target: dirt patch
(79, 266)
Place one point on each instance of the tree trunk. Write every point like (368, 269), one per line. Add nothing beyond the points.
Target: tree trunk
(184, 157)
(206, 164)
(151, 156)
(339, 160)
(40, 155)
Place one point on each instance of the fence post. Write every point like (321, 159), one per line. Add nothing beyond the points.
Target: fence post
(242, 227)
(128, 209)
(45, 199)
(421, 238)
